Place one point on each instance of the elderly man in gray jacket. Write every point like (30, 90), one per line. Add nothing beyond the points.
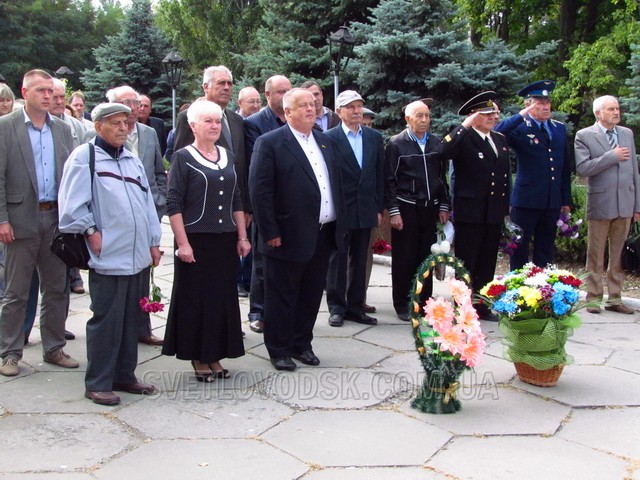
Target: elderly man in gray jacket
(114, 210)
(606, 155)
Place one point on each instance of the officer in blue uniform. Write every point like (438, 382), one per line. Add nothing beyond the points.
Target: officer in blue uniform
(542, 187)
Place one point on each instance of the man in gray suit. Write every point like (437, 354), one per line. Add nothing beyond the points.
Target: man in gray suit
(143, 142)
(33, 148)
(606, 154)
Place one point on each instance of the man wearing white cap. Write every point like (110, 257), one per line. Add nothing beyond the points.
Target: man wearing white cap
(114, 209)
(361, 159)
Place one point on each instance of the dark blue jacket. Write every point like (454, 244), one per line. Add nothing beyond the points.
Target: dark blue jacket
(543, 175)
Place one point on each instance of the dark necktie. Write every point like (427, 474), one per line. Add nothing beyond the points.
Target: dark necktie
(612, 139)
(226, 133)
(545, 132)
(488, 140)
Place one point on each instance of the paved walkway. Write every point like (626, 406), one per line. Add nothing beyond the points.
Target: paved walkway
(348, 419)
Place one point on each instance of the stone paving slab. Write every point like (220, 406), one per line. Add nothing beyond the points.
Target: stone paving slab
(615, 430)
(385, 473)
(357, 438)
(525, 458)
(47, 476)
(204, 460)
(60, 443)
(591, 386)
(204, 414)
(497, 411)
(626, 360)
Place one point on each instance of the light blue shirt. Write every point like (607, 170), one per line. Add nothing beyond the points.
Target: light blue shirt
(422, 142)
(355, 140)
(44, 157)
(546, 125)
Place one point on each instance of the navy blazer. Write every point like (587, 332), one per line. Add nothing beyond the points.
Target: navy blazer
(363, 187)
(258, 124)
(482, 179)
(286, 195)
(543, 174)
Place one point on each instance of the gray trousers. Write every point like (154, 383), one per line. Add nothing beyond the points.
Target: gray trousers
(112, 332)
(21, 256)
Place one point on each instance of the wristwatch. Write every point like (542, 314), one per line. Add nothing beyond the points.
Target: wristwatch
(90, 231)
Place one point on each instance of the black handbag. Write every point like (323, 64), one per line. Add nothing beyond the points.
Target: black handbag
(630, 257)
(71, 248)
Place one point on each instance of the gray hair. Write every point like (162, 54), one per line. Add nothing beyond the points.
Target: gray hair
(289, 97)
(6, 92)
(599, 102)
(57, 83)
(115, 93)
(210, 71)
(410, 109)
(203, 107)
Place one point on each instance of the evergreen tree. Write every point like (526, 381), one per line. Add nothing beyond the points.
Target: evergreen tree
(292, 39)
(413, 49)
(630, 102)
(133, 56)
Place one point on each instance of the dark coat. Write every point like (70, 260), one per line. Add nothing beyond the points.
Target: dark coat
(158, 125)
(363, 187)
(482, 180)
(286, 195)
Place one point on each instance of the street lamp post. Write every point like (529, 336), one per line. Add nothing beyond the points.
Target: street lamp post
(341, 45)
(173, 65)
(64, 73)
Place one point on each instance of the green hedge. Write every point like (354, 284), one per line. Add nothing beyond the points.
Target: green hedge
(575, 250)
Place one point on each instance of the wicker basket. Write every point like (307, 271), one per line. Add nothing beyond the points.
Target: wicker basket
(540, 378)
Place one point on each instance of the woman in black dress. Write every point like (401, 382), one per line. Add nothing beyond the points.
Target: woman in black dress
(205, 211)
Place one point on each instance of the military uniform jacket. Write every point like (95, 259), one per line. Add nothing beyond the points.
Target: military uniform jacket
(543, 176)
(482, 178)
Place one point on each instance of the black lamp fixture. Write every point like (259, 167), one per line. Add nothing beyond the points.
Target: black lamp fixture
(173, 65)
(64, 71)
(341, 45)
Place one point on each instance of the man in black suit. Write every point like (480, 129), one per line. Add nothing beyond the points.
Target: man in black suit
(217, 83)
(361, 158)
(482, 187)
(144, 117)
(298, 203)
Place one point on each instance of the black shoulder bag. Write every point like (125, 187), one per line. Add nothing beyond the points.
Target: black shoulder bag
(71, 248)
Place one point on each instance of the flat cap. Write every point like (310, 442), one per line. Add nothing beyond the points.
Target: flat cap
(540, 89)
(483, 102)
(346, 97)
(104, 110)
(368, 113)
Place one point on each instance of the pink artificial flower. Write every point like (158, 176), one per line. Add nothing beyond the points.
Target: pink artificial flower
(459, 290)
(471, 352)
(439, 314)
(451, 340)
(467, 318)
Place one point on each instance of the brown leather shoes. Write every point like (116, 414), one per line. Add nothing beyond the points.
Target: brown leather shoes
(102, 398)
(620, 308)
(368, 308)
(151, 340)
(137, 388)
(9, 367)
(593, 309)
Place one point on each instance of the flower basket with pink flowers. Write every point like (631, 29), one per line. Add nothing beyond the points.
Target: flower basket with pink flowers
(447, 336)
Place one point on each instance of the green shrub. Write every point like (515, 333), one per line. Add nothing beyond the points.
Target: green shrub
(574, 250)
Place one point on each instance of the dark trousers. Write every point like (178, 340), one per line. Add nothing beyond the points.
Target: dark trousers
(144, 328)
(410, 247)
(293, 292)
(347, 274)
(539, 224)
(112, 331)
(256, 292)
(477, 246)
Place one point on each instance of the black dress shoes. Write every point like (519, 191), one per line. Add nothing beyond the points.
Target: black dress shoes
(336, 320)
(242, 292)
(405, 317)
(361, 318)
(308, 358)
(283, 363)
(69, 335)
(256, 326)
(490, 317)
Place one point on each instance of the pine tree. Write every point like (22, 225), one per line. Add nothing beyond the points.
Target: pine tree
(414, 49)
(133, 57)
(630, 103)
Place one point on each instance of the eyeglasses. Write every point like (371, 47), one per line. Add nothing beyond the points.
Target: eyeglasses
(130, 102)
(254, 102)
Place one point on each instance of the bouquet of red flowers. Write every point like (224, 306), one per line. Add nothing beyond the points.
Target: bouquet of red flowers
(152, 303)
(380, 246)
